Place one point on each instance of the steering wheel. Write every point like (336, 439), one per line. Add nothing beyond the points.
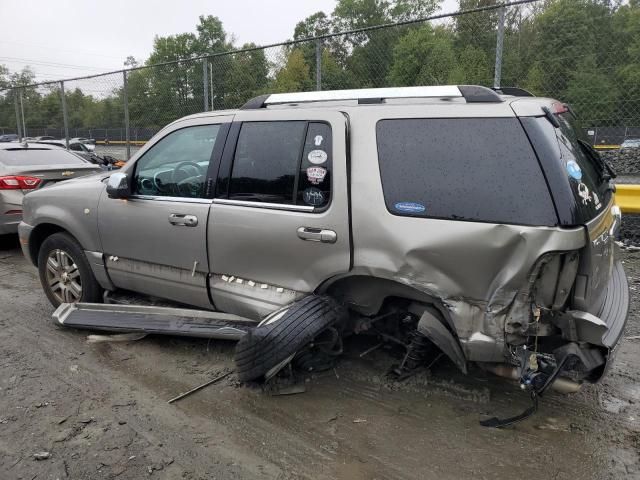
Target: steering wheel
(189, 186)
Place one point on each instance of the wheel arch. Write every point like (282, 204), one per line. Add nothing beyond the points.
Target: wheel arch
(39, 234)
(366, 294)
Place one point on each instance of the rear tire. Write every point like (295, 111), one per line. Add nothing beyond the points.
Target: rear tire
(64, 270)
(281, 336)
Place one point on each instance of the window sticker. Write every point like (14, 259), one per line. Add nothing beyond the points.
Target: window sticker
(574, 171)
(316, 174)
(317, 140)
(596, 200)
(410, 207)
(317, 157)
(313, 196)
(583, 191)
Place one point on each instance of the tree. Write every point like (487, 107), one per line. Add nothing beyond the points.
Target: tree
(424, 56)
(246, 78)
(294, 76)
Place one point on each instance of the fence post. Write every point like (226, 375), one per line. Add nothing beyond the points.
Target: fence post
(15, 97)
(497, 74)
(205, 83)
(65, 119)
(125, 96)
(24, 126)
(318, 65)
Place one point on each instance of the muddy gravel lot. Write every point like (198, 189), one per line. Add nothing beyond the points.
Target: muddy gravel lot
(93, 411)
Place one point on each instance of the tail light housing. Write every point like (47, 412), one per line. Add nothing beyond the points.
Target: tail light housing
(19, 182)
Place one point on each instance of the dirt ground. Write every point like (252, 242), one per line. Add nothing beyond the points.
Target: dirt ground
(101, 411)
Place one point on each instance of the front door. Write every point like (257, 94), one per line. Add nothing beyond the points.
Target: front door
(155, 241)
(279, 224)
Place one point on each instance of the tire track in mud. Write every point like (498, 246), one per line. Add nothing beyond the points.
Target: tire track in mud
(230, 432)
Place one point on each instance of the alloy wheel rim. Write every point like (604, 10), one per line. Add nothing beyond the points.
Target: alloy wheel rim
(63, 277)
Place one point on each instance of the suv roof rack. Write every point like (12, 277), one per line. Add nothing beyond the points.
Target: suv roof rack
(515, 91)
(471, 93)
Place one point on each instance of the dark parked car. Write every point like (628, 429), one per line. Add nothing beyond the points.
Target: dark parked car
(9, 137)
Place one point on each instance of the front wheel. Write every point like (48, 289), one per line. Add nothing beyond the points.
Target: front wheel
(65, 274)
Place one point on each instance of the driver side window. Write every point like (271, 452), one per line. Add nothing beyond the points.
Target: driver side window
(177, 165)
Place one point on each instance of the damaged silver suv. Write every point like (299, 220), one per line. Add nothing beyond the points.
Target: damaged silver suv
(473, 221)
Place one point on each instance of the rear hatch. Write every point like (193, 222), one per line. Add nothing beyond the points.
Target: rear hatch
(589, 178)
(579, 182)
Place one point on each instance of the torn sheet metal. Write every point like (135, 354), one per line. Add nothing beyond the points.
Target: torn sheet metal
(482, 274)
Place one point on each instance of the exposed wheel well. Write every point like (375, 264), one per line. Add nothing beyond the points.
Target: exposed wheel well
(38, 236)
(366, 294)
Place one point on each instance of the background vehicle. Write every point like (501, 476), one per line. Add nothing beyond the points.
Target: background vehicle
(82, 149)
(39, 139)
(24, 168)
(630, 143)
(89, 143)
(454, 216)
(9, 137)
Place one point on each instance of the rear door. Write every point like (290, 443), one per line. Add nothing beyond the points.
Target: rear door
(279, 224)
(155, 241)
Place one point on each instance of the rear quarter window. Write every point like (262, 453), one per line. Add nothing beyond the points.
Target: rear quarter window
(472, 169)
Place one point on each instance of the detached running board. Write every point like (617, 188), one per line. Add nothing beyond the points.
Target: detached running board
(152, 319)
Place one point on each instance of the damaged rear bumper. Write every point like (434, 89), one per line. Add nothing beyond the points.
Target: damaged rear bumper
(591, 334)
(615, 308)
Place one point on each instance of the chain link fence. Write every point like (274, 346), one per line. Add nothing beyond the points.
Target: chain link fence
(580, 52)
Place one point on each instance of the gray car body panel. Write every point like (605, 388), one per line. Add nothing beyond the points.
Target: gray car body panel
(71, 206)
(480, 276)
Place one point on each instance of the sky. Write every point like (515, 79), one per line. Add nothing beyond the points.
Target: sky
(70, 38)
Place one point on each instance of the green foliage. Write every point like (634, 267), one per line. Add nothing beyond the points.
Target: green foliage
(295, 75)
(585, 52)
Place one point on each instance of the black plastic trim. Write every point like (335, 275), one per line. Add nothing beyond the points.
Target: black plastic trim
(554, 172)
(255, 102)
(514, 91)
(216, 155)
(478, 94)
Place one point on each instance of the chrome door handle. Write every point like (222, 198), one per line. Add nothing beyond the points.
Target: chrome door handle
(317, 235)
(181, 220)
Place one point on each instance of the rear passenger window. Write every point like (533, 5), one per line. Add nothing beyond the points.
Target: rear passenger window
(478, 169)
(282, 162)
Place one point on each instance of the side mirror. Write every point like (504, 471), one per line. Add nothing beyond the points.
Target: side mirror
(118, 186)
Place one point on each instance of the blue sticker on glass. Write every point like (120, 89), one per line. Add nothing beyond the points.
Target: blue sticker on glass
(574, 171)
(410, 207)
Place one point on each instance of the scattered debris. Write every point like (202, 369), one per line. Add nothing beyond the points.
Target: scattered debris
(118, 337)
(359, 420)
(291, 389)
(41, 455)
(369, 350)
(200, 387)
